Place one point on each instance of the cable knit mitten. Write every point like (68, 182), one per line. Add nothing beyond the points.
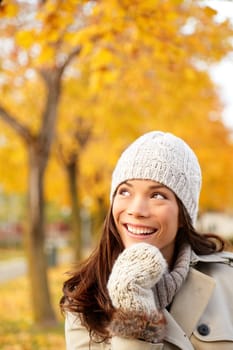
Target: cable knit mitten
(136, 270)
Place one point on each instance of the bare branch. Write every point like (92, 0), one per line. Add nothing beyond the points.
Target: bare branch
(74, 53)
(52, 78)
(20, 129)
(45, 72)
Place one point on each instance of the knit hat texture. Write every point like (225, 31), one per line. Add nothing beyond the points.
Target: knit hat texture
(164, 158)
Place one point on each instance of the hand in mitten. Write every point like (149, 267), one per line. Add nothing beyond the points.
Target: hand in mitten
(136, 270)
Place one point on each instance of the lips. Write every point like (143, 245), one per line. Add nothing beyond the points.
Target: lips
(140, 230)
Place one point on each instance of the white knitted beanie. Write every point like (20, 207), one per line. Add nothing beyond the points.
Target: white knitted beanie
(166, 159)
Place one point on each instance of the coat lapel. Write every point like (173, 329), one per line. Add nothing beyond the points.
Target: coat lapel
(175, 335)
(192, 299)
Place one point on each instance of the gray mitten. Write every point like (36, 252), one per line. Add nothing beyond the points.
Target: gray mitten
(136, 270)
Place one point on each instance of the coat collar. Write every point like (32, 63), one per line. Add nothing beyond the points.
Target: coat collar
(222, 257)
(187, 308)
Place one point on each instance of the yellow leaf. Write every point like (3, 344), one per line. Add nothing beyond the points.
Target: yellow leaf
(8, 10)
(46, 55)
(189, 73)
(25, 39)
(102, 58)
(210, 11)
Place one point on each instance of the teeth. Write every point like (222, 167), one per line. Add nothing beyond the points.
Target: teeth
(139, 230)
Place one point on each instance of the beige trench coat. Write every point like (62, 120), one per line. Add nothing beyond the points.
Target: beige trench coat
(201, 316)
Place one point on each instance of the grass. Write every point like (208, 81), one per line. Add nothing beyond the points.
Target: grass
(17, 331)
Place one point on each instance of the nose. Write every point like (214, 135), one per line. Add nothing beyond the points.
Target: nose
(138, 207)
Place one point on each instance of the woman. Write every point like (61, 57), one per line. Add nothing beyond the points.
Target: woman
(153, 282)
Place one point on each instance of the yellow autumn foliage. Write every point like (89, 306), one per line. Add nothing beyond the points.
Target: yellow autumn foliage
(138, 70)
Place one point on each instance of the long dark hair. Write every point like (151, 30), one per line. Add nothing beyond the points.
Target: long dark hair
(85, 292)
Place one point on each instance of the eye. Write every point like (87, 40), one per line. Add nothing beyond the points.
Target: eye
(123, 191)
(158, 195)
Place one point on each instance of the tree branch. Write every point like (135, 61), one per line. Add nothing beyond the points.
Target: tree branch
(73, 53)
(60, 69)
(52, 78)
(20, 129)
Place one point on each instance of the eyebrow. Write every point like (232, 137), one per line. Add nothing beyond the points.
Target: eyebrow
(152, 187)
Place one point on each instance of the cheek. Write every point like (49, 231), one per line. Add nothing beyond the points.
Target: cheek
(174, 219)
(171, 216)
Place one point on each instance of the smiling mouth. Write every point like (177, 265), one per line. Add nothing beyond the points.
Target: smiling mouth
(140, 231)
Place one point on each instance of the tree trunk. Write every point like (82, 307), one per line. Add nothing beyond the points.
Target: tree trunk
(38, 154)
(35, 241)
(72, 174)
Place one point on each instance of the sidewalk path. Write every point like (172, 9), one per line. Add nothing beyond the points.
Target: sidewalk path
(18, 267)
(12, 269)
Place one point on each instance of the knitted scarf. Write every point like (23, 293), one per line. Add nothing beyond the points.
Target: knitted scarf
(171, 281)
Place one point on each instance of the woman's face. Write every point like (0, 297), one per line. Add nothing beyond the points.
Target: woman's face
(146, 211)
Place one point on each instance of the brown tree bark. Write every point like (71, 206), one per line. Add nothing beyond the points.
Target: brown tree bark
(71, 163)
(35, 240)
(72, 176)
(38, 148)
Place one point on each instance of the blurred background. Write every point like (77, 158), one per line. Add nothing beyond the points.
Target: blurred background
(79, 80)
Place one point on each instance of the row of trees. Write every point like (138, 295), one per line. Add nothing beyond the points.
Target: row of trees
(81, 79)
